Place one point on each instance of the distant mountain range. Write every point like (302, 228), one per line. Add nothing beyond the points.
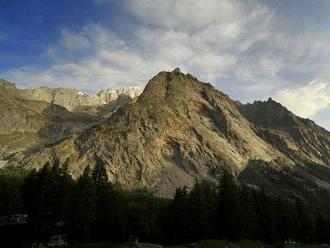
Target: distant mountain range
(30, 118)
(177, 131)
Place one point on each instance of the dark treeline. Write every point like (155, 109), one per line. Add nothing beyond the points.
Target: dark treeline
(92, 209)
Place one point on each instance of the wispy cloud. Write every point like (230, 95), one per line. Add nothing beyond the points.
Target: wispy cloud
(245, 47)
(205, 39)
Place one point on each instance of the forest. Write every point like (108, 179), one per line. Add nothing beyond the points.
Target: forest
(91, 209)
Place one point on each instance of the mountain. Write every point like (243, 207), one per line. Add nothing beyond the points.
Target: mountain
(300, 139)
(31, 118)
(73, 99)
(180, 130)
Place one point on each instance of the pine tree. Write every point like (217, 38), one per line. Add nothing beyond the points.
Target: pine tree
(99, 173)
(305, 225)
(228, 210)
(322, 230)
(202, 210)
(178, 220)
(83, 206)
(248, 220)
(46, 194)
(265, 210)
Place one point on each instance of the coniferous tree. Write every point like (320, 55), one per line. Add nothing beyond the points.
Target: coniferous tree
(304, 222)
(178, 219)
(10, 193)
(99, 173)
(228, 209)
(140, 212)
(105, 207)
(46, 193)
(266, 225)
(248, 220)
(284, 219)
(322, 230)
(93, 208)
(83, 206)
(202, 207)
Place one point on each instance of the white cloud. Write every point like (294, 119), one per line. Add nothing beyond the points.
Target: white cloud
(239, 43)
(187, 15)
(204, 38)
(306, 100)
(242, 46)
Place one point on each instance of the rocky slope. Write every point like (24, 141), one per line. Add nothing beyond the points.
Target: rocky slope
(300, 139)
(27, 123)
(180, 130)
(30, 118)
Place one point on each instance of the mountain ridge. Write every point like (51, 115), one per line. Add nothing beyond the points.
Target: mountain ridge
(70, 98)
(180, 130)
(285, 130)
(30, 119)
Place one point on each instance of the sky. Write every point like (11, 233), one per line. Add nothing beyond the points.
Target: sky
(249, 49)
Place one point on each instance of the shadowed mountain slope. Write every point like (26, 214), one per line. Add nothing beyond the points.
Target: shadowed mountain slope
(301, 139)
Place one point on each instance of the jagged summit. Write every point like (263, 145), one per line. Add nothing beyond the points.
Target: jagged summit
(173, 85)
(270, 114)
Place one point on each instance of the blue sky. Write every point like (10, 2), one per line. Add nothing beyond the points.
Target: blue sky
(250, 49)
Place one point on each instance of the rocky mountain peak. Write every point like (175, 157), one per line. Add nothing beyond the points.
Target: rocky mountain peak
(269, 114)
(170, 85)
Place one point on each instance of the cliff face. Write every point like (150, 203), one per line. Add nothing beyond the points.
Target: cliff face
(180, 130)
